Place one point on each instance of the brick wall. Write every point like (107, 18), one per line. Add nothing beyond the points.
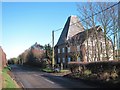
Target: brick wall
(3, 60)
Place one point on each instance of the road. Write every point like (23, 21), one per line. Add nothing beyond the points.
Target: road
(32, 78)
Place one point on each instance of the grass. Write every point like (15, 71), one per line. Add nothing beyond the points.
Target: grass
(47, 70)
(7, 81)
(63, 71)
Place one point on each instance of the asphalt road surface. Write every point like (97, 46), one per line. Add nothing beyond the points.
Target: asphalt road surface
(32, 78)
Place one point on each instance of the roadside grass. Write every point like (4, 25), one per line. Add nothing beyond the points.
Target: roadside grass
(63, 71)
(48, 70)
(7, 81)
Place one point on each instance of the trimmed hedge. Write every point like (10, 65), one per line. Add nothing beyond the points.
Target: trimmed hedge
(103, 66)
(103, 71)
(76, 66)
(95, 67)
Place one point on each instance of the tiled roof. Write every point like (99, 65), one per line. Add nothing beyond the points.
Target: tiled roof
(71, 28)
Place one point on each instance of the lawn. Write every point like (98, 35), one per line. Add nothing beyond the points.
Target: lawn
(7, 81)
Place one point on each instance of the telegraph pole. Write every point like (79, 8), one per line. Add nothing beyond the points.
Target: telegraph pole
(53, 60)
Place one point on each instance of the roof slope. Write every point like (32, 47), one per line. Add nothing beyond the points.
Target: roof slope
(71, 28)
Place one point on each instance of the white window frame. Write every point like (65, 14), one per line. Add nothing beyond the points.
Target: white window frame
(78, 48)
(63, 60)
(63, 50)
(58, 60)
(69, 59)
(68, 49)
(58, 50)
(79, 59)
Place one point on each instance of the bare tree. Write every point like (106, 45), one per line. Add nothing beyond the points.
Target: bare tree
(105, 20)
(89, 21)
(114, 29)
(104, 14)
(83, 13)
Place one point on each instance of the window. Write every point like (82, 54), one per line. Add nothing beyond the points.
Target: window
(63, 60)
(58, 60)
(78, 48)
(63, 50)
(119, 44)
(68, 49)
(69, 59)
(78, 59)
(58, 50)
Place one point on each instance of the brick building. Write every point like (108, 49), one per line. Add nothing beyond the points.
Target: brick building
(77, 44)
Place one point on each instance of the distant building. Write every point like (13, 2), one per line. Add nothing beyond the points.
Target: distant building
(75, 40)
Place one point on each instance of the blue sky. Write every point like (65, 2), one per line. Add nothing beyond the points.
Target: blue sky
(23, 24)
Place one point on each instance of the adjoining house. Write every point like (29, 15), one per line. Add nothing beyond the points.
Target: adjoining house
(77, 44)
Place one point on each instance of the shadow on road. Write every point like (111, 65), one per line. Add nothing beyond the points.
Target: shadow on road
(59, 80)
(67, 82)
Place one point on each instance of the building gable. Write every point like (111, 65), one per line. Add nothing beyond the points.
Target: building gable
(71, 28)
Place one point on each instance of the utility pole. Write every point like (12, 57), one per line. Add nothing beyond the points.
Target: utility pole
(53, 60)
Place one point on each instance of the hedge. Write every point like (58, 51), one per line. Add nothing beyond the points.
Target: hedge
(95, 67)
(103, 66)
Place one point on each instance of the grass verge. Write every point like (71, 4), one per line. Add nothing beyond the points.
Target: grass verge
(7, 80)
(48, 70)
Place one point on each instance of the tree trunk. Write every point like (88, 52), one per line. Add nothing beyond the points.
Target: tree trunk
(106, 44)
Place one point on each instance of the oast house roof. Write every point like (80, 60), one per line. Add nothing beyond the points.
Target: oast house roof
(71, 28)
